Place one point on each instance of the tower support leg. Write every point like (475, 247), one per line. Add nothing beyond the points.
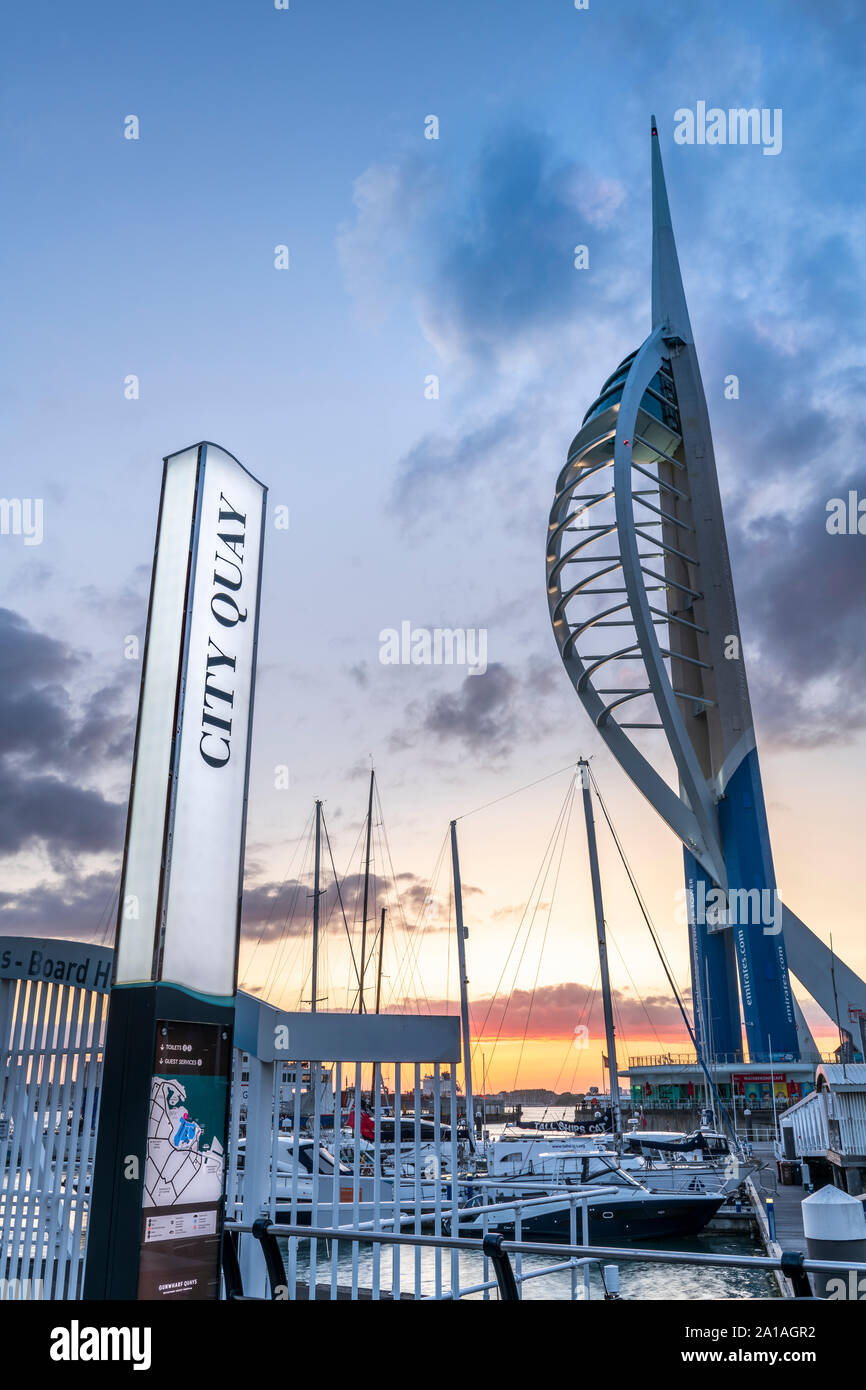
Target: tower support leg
(715, 990)
(755, 917)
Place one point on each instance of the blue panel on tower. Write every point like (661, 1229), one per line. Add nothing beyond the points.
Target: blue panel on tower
(715, 993)
(755, 917)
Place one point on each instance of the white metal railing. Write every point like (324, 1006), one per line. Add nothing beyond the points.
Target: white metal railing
(320, 1172)
(51, 1039)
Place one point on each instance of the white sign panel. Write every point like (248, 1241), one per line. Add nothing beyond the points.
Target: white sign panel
(204, 877)
(146, 829)
(184, 859)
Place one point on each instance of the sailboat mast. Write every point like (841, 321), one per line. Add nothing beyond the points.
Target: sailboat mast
(366, 897)
(316, 875)
(609, 1033)
(464, 989)
(379, 970)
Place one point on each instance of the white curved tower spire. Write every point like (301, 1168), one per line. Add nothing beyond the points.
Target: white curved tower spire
(669, 299)
(642, 603)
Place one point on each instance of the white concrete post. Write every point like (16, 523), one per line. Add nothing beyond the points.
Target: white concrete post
(834, 1224)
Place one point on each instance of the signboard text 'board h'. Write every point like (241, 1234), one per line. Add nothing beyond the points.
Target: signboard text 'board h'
(180, 901)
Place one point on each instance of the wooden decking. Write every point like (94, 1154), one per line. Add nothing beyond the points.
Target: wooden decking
(788, 1213)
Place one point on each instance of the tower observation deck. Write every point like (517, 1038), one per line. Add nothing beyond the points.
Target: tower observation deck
(642, 603)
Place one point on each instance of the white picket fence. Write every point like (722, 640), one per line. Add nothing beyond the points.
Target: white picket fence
(52, 1031)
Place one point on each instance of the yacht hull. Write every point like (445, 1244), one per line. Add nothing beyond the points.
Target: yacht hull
(613, 1223)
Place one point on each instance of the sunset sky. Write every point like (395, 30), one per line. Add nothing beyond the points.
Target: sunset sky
(412, 258)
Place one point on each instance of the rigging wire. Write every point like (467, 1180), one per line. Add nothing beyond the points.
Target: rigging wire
(585, 1012)
(411, 953)
(337, 883)
(495, 802)
(593, 998)
(405, 970)
(543, 869)
(339, 895)
(652, 931)
(266, 924)
(109, 911)
(374, 881)
(546, 929)
(284, 957)
(638, 994)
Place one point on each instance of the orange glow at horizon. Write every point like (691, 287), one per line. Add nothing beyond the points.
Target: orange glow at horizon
(554, 1064)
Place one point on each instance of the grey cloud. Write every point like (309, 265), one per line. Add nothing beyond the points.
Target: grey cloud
(46, 742)
(487, 252)
(437, 458)
(551, 1011)
(272, 910)
(805, 595)
(360, 674)
(56, 814)
(82, 908)
(481, 714)
(488, 713)
(507, 264)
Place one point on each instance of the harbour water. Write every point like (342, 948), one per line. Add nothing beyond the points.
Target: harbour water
(639, 1280)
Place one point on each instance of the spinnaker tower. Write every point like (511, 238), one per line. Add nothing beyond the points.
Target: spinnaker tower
(643, 609)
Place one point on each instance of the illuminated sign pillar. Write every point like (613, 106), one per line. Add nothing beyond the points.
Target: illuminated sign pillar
(155, 1225)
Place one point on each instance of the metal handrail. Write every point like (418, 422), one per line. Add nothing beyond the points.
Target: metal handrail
(525, 1247)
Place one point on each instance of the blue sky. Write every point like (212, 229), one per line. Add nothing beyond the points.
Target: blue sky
(412, 257)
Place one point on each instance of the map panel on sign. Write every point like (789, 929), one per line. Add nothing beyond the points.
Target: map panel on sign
(185, 1159)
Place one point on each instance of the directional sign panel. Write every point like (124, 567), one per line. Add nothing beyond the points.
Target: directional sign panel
(185, 1164)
